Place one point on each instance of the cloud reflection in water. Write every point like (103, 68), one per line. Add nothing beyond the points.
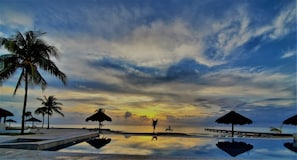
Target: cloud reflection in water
(185, 146)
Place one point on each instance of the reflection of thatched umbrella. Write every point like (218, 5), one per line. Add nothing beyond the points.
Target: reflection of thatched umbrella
(234, 148)
(99, 142)
(292, 120)
(4, 113)
(290, 146)
(99, 116)
(234, 118)
(33, 120)
(10, 121)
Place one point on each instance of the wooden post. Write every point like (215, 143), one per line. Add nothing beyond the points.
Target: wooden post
(232, 129)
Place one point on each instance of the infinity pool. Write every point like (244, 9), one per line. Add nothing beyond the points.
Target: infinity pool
(246, 148)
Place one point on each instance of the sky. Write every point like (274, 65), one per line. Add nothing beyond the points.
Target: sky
(186, 63)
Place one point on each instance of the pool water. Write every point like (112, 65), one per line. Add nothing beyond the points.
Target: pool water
(246, 148)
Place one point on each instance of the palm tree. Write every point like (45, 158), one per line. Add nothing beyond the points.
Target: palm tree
(42, 111)
(51, 106)
(29, 54)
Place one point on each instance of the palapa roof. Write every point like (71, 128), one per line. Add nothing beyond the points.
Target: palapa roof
(33, 120)
(234, 118)
(292, 120)
(99, 116)
(5, 113)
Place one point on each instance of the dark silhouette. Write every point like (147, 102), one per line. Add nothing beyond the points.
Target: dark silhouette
(42, 111)
(291, 120)
(50, 105)
(28, 114)
(4, 113)
(10, 121)
(234, 118)
(169, 128)
(29, 53)
(155, 122)
(99, 116)
(234, 148)
(32, 119)
(154, 137)
(291, 146)
(98, 142)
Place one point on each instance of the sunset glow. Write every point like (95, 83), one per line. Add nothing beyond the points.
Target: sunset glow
(182, 62)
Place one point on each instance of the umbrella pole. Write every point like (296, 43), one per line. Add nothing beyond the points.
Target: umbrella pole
(99, 128)
(232, 129)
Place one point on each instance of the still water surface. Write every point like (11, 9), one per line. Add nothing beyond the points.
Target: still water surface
(207, 147)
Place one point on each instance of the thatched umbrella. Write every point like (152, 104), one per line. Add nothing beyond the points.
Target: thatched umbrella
(292, 120)
(99, 116)
(10, 121)
(234, 148)
(4, 113)
(32, 119)
(234, 118)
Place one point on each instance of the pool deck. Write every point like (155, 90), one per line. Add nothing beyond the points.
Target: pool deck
(47, 139)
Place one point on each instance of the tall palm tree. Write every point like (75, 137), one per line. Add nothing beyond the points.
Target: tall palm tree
(42, 111)
(51, 105)
(29, 54)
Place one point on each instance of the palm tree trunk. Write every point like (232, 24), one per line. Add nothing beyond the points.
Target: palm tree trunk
(25, 102)
(48, 121)
(42, 120)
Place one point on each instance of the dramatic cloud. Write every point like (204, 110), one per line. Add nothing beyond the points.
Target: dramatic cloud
(185, 63)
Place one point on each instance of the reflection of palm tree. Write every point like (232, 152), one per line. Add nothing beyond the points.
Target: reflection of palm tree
(42, 111)
(29, 52)
(51, 106)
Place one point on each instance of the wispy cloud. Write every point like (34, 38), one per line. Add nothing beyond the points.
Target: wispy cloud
(288, 54)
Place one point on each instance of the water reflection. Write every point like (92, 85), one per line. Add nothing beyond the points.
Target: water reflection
(203, 147)
(234, 148)
(291, 146)
(154, 137)
(98, 142)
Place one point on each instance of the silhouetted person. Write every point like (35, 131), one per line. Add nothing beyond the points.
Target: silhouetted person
(169, 128)
(155, 122)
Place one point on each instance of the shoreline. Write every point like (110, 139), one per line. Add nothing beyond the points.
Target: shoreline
(210, 132)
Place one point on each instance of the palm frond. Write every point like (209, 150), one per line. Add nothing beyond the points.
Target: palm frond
(7, 72)
(50, 66)
(39, 80)
(19, 81)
